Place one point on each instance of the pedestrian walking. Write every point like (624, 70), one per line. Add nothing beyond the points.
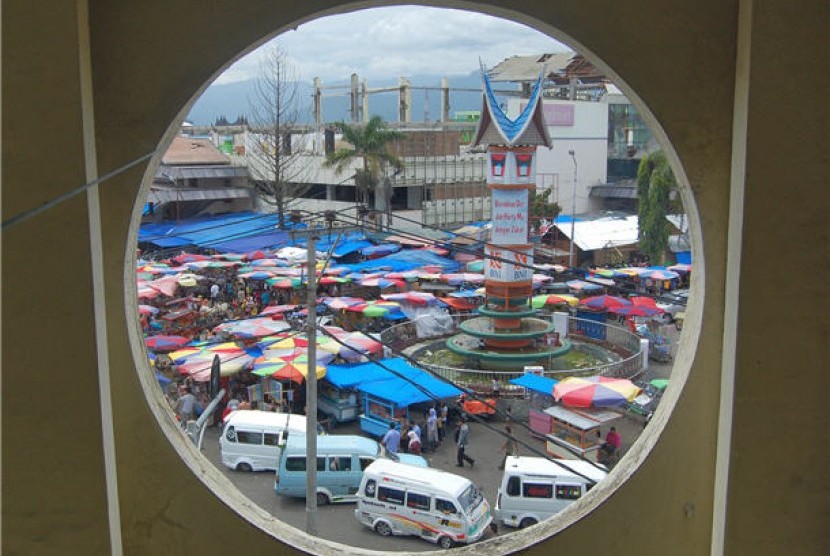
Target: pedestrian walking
(511, 445)
(444, 415)
(494, 385)
(392, 439)
(461, 442)
(185, 406)
(432, 431)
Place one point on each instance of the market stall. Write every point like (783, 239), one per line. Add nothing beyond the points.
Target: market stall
(575, 433)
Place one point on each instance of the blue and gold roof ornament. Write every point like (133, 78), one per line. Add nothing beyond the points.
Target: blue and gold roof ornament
(496, 128)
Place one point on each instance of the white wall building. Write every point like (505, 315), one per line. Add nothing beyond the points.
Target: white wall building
(581, 126)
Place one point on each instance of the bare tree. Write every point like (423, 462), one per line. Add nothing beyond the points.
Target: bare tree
(274, 147)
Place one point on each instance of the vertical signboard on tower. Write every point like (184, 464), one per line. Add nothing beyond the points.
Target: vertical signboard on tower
(510, 216)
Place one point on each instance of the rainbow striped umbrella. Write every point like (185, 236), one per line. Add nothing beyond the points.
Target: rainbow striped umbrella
(596, 391)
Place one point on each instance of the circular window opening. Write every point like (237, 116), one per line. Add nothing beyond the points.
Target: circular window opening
(407, 187)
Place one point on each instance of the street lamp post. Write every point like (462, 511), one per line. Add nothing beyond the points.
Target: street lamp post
(571, 251)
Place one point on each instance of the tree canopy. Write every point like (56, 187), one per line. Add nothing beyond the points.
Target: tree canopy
(369, 142)
(541, 206)
(655, 182)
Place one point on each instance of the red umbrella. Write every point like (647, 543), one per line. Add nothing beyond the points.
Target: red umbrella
(642, 301)
(636, 311)
(604, 302)
(162, 342)
(254, 255)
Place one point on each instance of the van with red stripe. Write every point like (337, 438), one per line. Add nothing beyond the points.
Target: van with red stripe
(441, 507)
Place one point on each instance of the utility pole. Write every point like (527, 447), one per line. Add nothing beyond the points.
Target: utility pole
(573, 214)
(311, 388)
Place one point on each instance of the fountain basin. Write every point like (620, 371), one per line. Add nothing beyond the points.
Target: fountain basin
(509, 360)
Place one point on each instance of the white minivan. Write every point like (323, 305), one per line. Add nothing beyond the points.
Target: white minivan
(533, 489)
(251, 439)
(341, 459)
(400, 499)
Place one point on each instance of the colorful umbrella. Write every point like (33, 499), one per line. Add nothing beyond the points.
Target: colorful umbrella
(636, 311)
(381, 283)
(604, 302)
(680, 267)
(659, 274)
(607, 273)
(254, 255)
(147, 310)
(286, 370)
(188, 280)
(252, 328)
(284, 283)
(414, 298)
(632, 270)
(375, 308)
(257, 275)
(596, 391)
(326, 280)
(276, 309)
(539, 301)
(475, 266)
(458, 278)
(341, 302)
(407, 275)
(164, 342)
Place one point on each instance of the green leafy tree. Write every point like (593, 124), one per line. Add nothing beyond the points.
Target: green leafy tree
(655, 182)
(369, 143)
(541, 206)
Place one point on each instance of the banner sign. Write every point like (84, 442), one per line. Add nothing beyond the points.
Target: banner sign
(509, 215)
(513, 265)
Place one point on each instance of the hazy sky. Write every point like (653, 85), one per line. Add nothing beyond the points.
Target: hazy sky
(384, 43)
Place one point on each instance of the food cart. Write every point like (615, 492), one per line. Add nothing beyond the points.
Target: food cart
(340, 404)
(575, 433)
(539, 389)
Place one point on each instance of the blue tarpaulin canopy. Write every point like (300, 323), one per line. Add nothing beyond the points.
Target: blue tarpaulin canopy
(541, 384)
(353, 375)
(375, 380)
(408, 259)
(211, 231)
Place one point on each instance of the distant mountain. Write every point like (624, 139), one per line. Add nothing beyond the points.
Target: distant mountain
(231, 100)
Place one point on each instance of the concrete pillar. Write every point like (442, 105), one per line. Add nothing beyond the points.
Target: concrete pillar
(354, 106)
(364, 94)
(318, 102)
(405, 101)
(445, 100)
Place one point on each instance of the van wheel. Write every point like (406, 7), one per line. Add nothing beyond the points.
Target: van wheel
(527, 522)
(383, 529)
(322, 499)
(244, 467)
(445, 542)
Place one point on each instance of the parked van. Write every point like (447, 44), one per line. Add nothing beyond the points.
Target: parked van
(398, 499)
(533, 489)
(251, 439)
(341, 460)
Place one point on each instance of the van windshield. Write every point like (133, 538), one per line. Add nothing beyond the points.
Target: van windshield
(470, 499)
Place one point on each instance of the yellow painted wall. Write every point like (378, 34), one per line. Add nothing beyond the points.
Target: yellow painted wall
(150, 58)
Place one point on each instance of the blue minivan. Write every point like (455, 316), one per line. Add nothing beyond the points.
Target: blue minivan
(341, 460)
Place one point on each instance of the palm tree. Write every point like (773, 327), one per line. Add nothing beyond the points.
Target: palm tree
(369, 142)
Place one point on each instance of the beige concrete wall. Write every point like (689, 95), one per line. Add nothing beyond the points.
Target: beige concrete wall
(150, 58)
